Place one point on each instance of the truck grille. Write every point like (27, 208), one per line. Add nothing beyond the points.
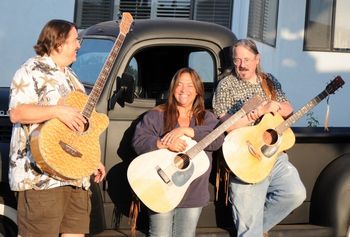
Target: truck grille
(5, 130)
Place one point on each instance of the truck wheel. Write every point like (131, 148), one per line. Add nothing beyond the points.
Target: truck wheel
(330, 200)
(8, 226)
(8, 212)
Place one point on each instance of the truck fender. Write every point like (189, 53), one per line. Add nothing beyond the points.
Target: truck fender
(8, 221)
(9, 212)
(330, 200)
(8, 204)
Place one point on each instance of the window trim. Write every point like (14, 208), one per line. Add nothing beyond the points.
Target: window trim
(154, 6)
(261, 24)
(330, 47)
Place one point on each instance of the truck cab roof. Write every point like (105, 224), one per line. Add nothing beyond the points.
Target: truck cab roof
(164, 29)
(153, 50)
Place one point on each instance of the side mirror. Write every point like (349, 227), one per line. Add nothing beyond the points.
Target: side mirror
(124, 92)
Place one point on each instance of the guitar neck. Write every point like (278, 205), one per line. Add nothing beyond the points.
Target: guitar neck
(101, 81)
(207, 140)
(297, 115)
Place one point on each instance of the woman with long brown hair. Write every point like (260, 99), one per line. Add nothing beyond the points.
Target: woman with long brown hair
(163, 127)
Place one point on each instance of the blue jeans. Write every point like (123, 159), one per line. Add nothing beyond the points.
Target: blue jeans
(180, 222)
(258, 207)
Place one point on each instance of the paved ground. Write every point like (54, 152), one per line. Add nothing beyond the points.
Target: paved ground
(278, 231)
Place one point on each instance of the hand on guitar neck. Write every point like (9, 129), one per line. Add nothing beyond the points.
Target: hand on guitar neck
(282, 108)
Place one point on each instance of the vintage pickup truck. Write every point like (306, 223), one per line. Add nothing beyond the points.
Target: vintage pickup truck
(138, 80)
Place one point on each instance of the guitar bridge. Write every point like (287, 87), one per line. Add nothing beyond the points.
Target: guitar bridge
(70, 150)
(162, 174)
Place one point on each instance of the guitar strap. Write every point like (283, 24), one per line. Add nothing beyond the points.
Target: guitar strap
(266, 85)
(73, 79)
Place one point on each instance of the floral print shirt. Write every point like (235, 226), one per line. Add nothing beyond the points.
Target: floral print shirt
(38, 81)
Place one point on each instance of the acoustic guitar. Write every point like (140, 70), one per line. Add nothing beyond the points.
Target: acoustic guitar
(251, 152)
(160, 178)
(67, 154)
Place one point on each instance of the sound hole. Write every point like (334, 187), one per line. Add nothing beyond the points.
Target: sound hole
(182, 161)
(270, 137)
(86, 125)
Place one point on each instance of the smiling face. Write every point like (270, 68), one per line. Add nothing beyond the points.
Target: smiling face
(68, 50)
(246, 63)
(185, 92)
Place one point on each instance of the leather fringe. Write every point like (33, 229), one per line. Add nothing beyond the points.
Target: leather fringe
(217, 181)
(222, 175)
(133, 214)
(267, 86)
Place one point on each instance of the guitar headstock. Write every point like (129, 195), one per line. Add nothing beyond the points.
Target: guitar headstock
(126, 22)
(334, 85)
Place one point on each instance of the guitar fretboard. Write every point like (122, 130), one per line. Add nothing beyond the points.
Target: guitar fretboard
(193, 151)
(331, 88)
(207, 140)
(101, 81)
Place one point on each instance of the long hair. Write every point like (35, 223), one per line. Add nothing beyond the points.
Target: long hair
(54, 34)
(171, 114)
(266, 82)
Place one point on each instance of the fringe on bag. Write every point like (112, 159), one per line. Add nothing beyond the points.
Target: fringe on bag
(133, 214)
(222, 176)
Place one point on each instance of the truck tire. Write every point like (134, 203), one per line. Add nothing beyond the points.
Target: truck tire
(330, 200)
(8, 226)
(8, 212)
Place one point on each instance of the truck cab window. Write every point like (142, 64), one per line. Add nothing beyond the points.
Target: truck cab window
(154, 67)
(91, 58)
(203, 63)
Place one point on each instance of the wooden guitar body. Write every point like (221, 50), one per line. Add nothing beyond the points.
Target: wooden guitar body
(67, 154)
(160, 178)
(157, 180)
(248, 154)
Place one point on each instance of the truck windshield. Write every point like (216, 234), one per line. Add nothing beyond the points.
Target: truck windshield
(91, 58)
